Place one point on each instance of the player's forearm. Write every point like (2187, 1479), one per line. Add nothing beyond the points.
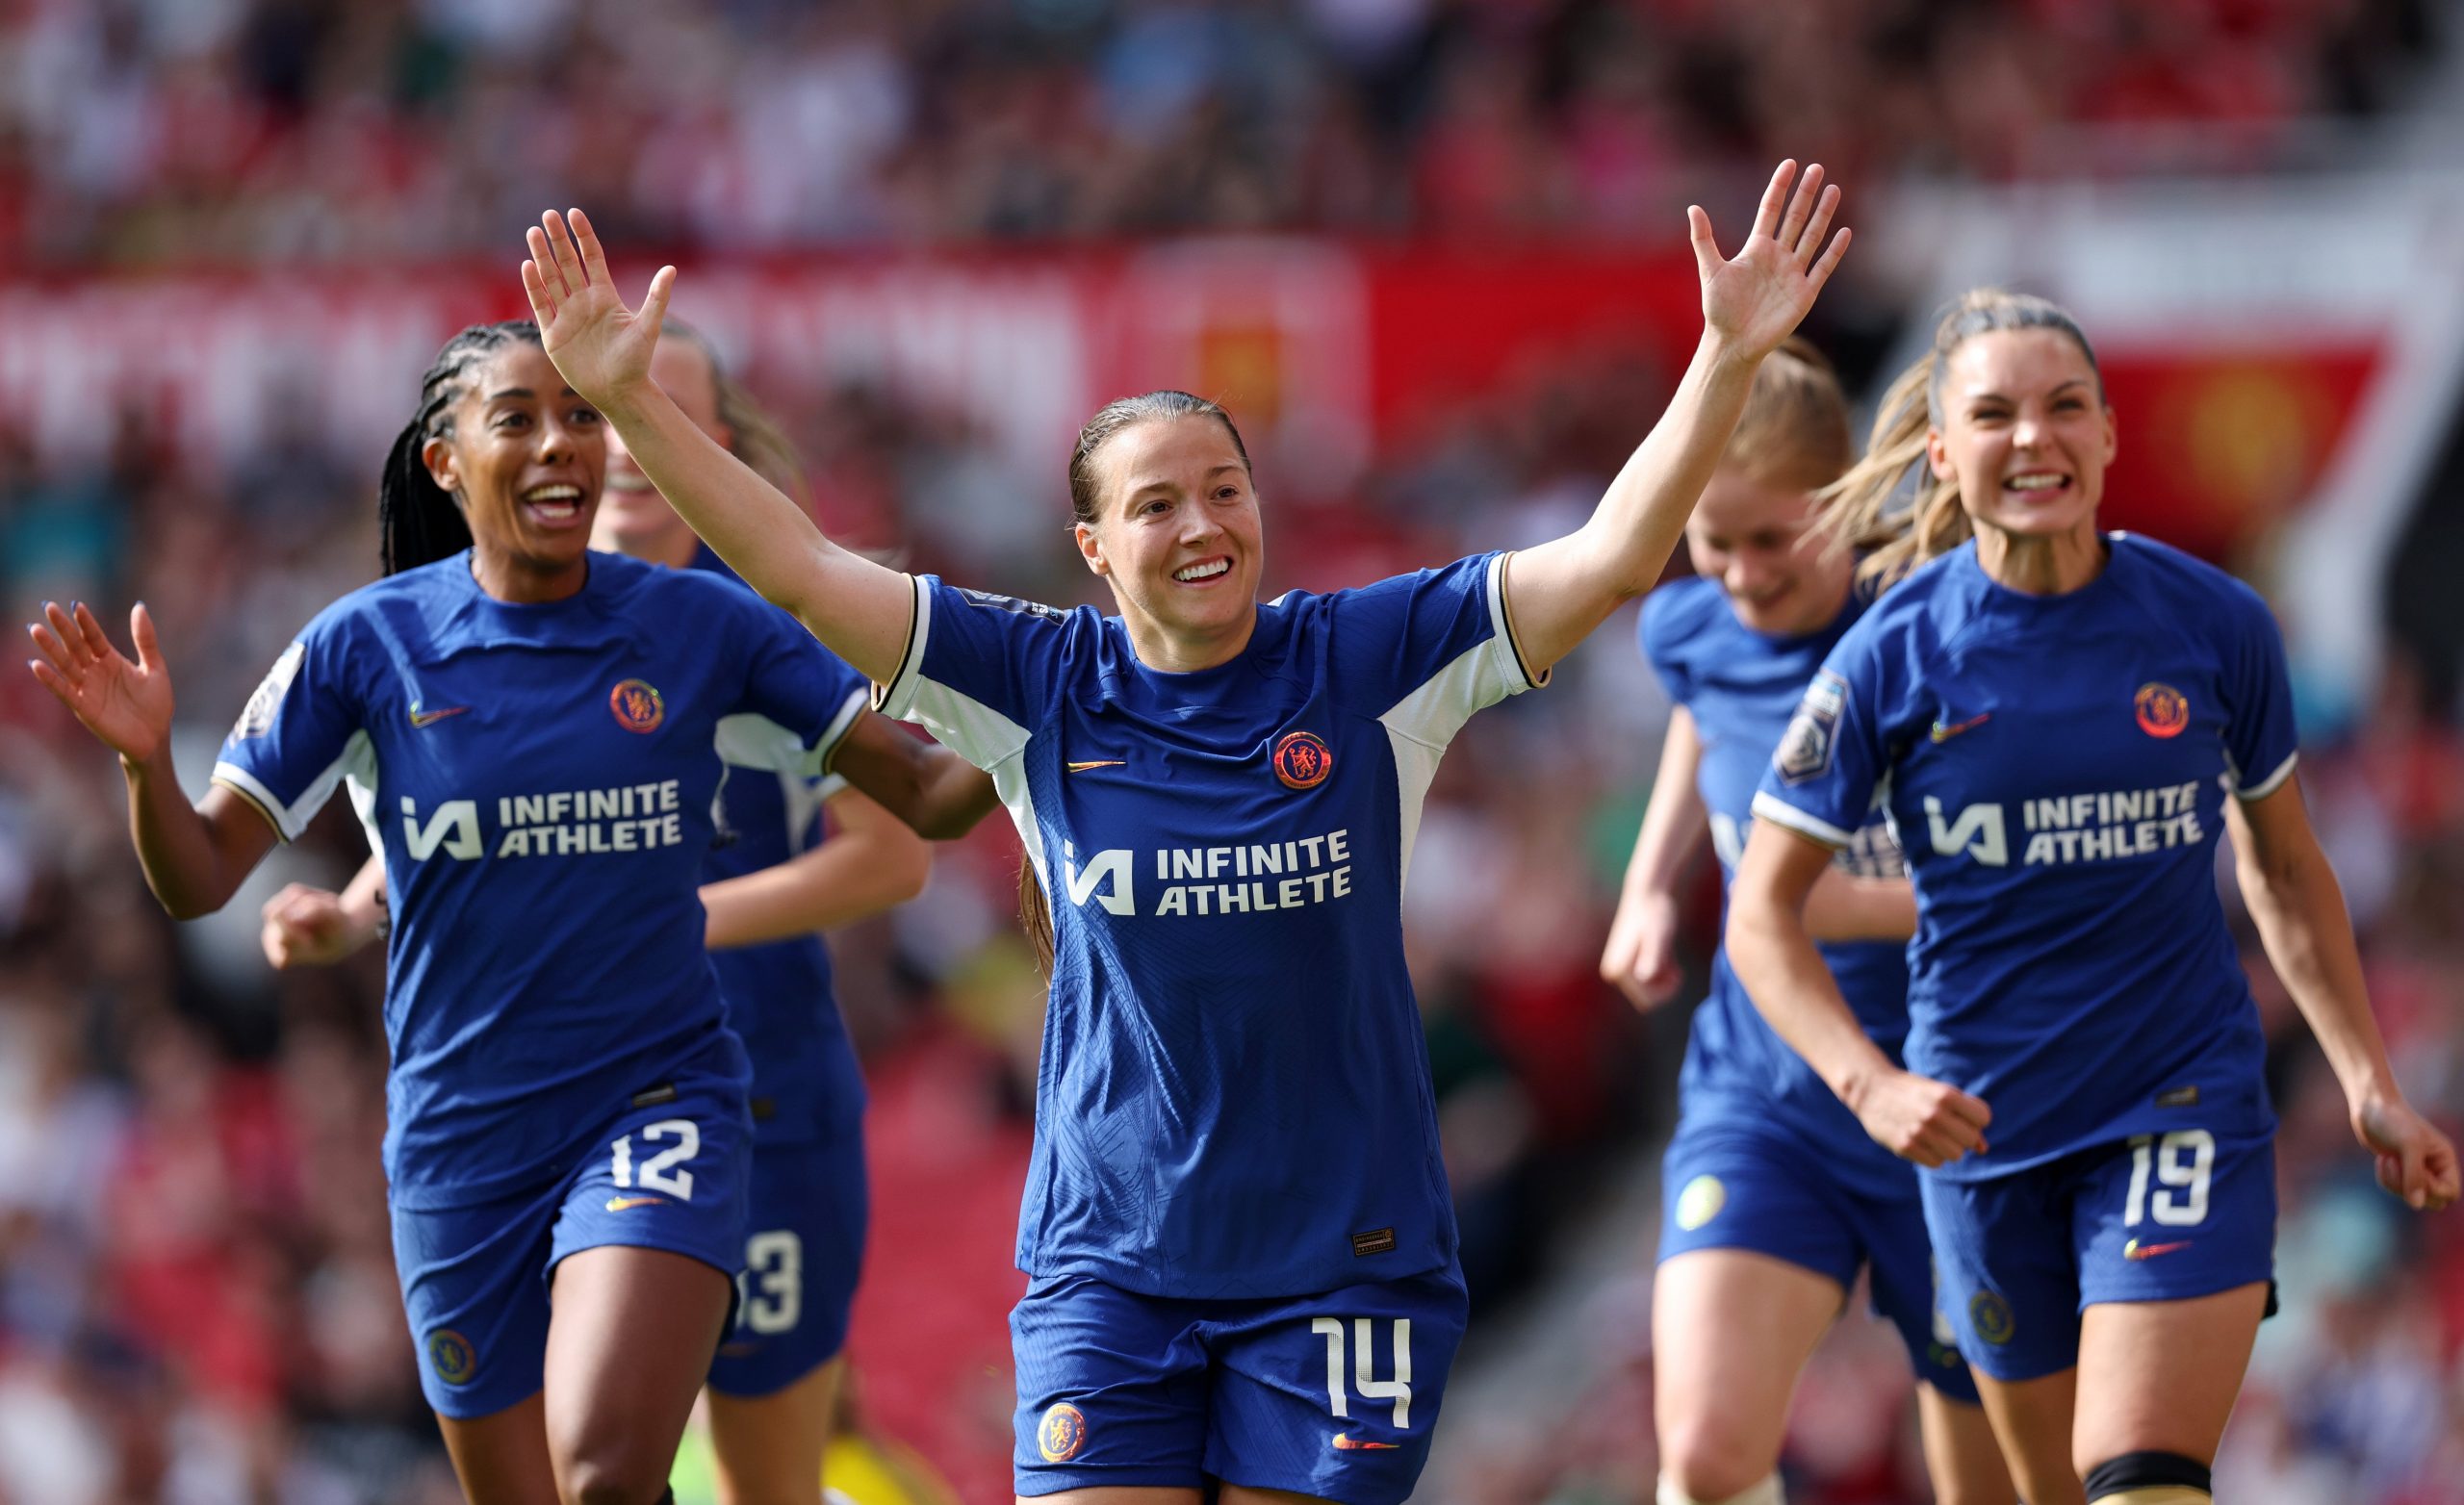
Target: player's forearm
(846, 878)
(1845, 907)
(1674, 826)
(2300, 909)
(175, 843)
(1773, 957)
(1560, 591)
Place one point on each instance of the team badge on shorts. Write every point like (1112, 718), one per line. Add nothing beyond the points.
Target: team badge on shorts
(1990, 1315)
(1063, 1433)
(1302, 761)
(1700, 1202)
(2162, 711)
(636, 706)
(450, 1354)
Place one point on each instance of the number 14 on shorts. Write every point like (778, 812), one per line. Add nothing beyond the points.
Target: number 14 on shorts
(1362, 1381)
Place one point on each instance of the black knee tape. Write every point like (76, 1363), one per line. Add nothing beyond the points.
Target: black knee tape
(667, 1496)
(2141, 1471)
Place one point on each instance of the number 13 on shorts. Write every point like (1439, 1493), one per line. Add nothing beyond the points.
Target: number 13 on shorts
(1361, 1380)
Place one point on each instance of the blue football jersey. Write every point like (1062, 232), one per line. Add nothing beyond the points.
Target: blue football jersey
(1741, 687)
(805, 1080)
(1234, 1097)
(2057, 767)
(539, 779)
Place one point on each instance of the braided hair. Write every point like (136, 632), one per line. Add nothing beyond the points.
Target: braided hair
(419, 520)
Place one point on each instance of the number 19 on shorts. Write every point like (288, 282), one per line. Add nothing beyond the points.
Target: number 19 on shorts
(2181, 1163)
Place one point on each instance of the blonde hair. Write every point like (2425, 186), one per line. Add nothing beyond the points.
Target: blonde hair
(1889, 507)
(754, 436)
(1793, 434)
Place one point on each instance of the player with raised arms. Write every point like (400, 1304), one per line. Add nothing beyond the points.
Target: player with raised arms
(1236, 1218)
(769, 885)
(534, 742)
(1774, 1198)
(2060, 722)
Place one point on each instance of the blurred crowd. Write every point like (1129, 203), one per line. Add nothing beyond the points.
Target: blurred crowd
(150, 131)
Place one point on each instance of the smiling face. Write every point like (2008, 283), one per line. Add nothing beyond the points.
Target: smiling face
(1176, 535)
(633, 518)
(2022, 426)
(525, 459)
(1756, 540)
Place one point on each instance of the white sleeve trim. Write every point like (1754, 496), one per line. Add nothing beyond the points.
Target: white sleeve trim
(1771, 807)
(749, 740)
(896, 699)
(291, 819)
(2270, 784)
(1503, 626)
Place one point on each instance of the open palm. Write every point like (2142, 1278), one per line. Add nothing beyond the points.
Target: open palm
(126, 705)
(599, 344)
(1757, 299)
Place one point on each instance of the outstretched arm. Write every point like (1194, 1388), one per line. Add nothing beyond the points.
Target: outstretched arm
(859, 609)
(195, 855)
(2294, 896)
(1558, 591)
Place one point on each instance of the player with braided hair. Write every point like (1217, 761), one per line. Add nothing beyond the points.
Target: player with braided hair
(535, 749)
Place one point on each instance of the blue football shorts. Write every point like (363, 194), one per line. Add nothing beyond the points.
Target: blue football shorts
(1733, 1186)
(1333, 1395)
(666, 1172)
(2155, 1217)
(808, 1212)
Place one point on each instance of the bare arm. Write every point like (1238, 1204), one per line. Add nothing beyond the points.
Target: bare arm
(1773, 954)
(2300, 908)
(1640, 957)
(872, 865)
(859, 608)
(195, 855)
(939, 794)
(309, 927)
(1843, 907)
(1558, 591)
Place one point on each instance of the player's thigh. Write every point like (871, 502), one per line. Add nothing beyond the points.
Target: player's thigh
(1731, 1329)
(1334, 1395)
(2162, 1376)
(647, 1244)
(1112, 1387)
(768, 1448)
(502, 1459)
(2032, 1419)
(1962, 1454)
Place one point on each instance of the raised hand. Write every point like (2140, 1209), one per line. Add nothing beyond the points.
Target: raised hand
(1920, 1119)
(2416, 1163)
(126, 705)
(1755, 299)
(599, 344)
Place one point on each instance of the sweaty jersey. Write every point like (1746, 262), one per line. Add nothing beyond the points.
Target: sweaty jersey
(805, 1080)
(1741, 687)
(1234, 1097)
(539, 779)
(2056, 768)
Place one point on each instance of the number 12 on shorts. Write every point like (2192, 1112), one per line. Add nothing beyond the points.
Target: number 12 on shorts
(2182, 1160)
(655, 1174)
(1366, 1385)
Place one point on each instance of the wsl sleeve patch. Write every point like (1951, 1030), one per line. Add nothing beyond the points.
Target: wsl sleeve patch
(256, 718)
(990, 602)
(1805, 750)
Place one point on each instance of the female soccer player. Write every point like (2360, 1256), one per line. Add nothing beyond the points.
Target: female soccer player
(1235, 1216)
(2058, 722)
(769, 886)
(1775, 1198)
(534, 745)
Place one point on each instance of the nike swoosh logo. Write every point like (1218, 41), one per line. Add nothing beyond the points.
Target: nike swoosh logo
(420, 718)
(1347, 1443)
(1101, 762)
(620, 1204)
(2135, 1250)
(1943, 733)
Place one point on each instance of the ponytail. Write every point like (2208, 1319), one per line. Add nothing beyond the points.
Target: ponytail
(419, 522)
(1889, 507)
(1034, 915)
